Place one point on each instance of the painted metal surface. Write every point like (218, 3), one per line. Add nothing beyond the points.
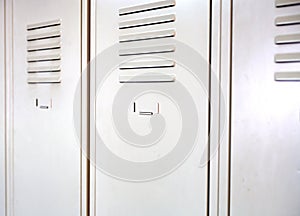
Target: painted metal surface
(46, 157)
(183, 191)
(265, 114)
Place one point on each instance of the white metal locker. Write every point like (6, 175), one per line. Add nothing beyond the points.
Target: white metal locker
(46, 156)
(265, 111)
(128, 39)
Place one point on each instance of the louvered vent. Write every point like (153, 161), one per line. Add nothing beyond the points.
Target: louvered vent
(145, 37)
(44, 52)
(287, 40)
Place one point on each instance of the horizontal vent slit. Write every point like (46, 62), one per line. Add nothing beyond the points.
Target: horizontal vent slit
(147, 7)
(43, 49)
(147, 50)
(284, 3)
(43, 82)
(287, 76)
(45, 68)
(147, 21)
(147, 78)
(43, 25)
(43, 58)
(47, 46)
(287, 39)
(146, 65)
(46, 71)
(42, 36)
(288, 20)
(44, 78)
(147, 36)
(287, 58)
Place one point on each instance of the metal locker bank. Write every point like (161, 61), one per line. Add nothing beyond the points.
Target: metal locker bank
(149, 108)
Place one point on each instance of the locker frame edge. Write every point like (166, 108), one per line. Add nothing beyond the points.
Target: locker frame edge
(84, 199)
(219, 203)
(8, 76)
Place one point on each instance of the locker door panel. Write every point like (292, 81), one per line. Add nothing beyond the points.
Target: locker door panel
(138, 37)
(265, 113)
(46, 148)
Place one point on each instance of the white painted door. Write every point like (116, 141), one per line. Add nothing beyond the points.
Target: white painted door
(265, 111)
(46, 70)
(149, 107)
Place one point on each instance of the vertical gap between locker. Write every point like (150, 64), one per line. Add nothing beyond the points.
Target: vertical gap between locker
(88, 107)
(209, 106)
(230, 106)
(5, 113)
(219, 103)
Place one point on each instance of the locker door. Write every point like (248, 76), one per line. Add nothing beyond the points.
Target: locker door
(46, 70)
(265, 112)
(149, 107)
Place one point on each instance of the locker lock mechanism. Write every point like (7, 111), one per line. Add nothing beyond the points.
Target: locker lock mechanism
(42, 105)
(146, 112)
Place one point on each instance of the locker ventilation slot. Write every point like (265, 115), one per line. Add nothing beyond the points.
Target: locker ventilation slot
(287, 40)
(148, 40)
(147, 78)
(147, 7)
(147, 64)
(44, 52)
(283, 3)
(287, 57)
(147, 21)
(287, 76)
(147, 36)
(288, 20)
(147, 50)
